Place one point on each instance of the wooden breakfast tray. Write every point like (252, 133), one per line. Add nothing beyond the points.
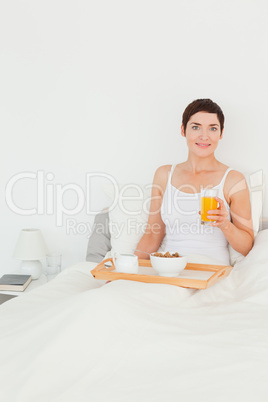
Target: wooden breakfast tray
(195, 276)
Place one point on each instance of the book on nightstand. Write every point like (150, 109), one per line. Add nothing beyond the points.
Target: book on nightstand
(15, 282)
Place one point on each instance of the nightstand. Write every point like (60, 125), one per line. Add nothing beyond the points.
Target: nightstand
(34, 284)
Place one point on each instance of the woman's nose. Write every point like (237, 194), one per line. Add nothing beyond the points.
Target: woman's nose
(204, 134)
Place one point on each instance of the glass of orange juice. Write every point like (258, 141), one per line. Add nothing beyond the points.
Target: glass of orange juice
(208, 203)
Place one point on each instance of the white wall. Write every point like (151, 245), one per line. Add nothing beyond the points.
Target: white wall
(100, 86)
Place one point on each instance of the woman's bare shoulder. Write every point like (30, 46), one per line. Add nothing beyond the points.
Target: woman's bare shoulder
(161, 176)
(235, 182)
(234, 176)
(163, 170)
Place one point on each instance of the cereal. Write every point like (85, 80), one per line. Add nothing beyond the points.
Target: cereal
(166, 255)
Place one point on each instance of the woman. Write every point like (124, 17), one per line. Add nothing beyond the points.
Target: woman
(175, 202)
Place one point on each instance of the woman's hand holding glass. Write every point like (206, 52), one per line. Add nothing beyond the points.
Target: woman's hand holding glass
(219, 215)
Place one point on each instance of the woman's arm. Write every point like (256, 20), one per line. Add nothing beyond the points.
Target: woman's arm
(238, 232)
(156, 229)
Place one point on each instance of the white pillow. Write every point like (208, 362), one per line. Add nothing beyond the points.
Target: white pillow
(255, 183)
(259, 252)
(128, 216)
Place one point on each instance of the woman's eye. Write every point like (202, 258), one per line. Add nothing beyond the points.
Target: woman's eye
(197, 128)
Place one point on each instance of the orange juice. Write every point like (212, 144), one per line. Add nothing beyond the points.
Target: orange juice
(207, 204)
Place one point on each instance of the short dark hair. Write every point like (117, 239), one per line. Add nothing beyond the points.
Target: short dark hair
(202, 105)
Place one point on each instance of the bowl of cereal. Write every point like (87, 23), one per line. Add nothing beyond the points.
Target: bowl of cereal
(168, 264)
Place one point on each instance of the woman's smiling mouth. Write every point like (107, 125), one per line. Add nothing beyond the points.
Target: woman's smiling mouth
(202, 145)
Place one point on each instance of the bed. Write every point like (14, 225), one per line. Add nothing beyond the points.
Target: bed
(79, 339)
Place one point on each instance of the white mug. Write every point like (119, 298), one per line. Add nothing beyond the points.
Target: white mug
(127, 263)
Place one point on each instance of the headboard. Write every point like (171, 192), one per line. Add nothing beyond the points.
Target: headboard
(263, 224)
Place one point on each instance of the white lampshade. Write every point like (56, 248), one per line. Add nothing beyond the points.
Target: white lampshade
(30, 248)
(30, 245)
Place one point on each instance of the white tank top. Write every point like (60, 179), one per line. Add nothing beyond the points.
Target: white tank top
(184, 232)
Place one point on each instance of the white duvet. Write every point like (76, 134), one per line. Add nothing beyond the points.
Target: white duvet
(75, 340)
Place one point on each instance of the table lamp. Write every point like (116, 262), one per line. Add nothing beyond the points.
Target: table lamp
(30, 249)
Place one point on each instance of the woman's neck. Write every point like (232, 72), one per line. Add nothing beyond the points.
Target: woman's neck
(196, 164)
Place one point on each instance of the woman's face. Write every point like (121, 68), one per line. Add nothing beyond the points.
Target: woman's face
(202, 133)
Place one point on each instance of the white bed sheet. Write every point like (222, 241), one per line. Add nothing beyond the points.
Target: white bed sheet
(74, 339)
